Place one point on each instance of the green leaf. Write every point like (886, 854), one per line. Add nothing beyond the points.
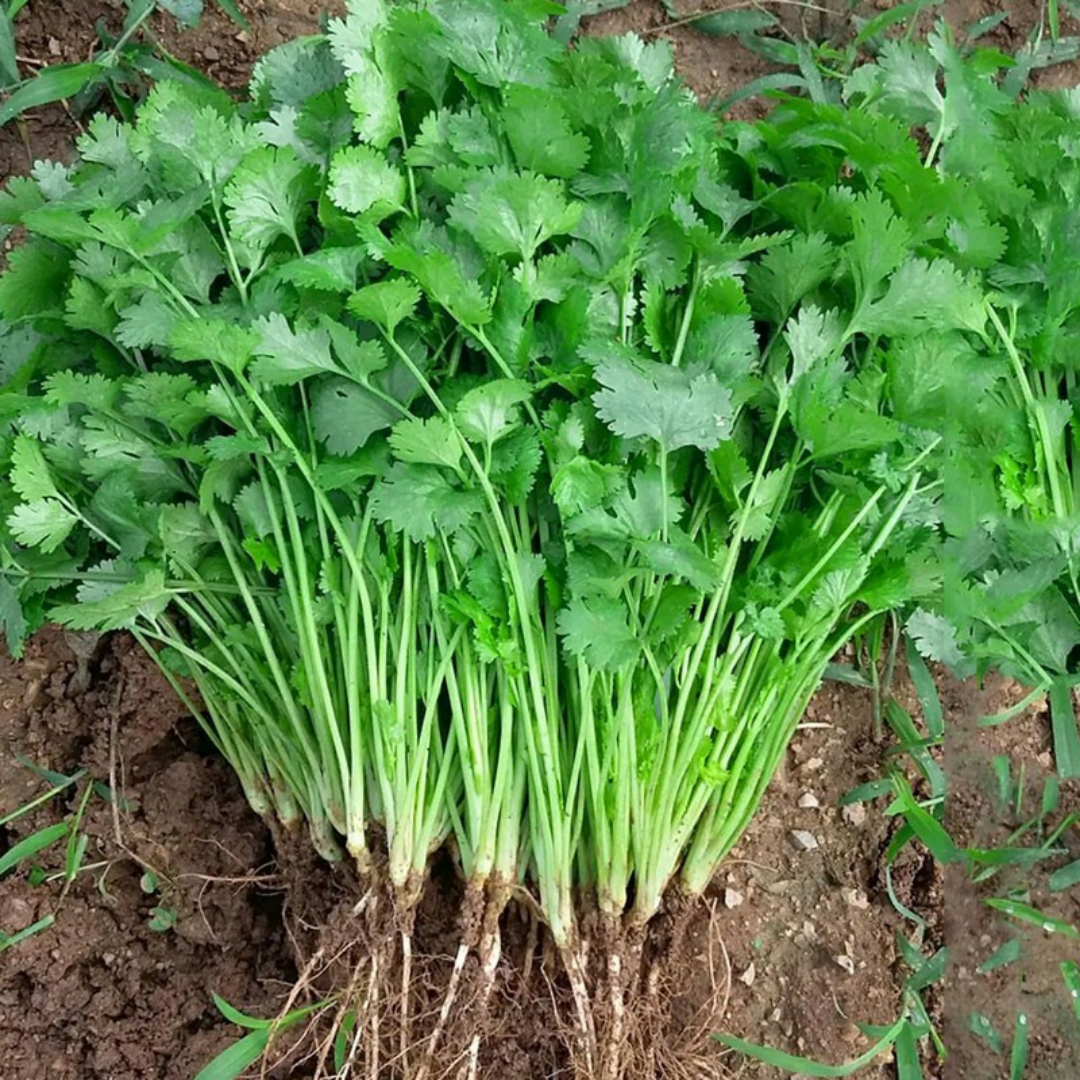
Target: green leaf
(50, 84)
(1067, 877)
(362, 181)
(419, 501)
(12, 618)
(487, 413)
(346, 415)
(9, 64)
(43, 523)
(1018, 1058)
(234, 1060)
(426, 442)
(981, 1025)
(286, 356)
(540, 134)
(1006, 953)
(644, 399)
(1027, 914)
(789, 1062)
(512, 213)
(267, 194)
(30, 477)
(1064, 725)
(1070, 973)
(595, 628)
(387, 303)
(31, 845)
(187, 12)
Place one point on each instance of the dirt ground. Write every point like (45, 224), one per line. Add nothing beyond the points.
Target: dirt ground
(794, 950)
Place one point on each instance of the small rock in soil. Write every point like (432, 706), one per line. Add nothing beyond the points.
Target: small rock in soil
(733, 898)
(748, 976)
(211, 53)
(856, 898)
(809, 801)
(846, 963)
(778, 888)
(801, 840)
(812, 764)
(855, 814)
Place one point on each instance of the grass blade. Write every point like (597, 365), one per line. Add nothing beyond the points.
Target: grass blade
(1065, 878)
(234, 1059)
(981, 1026)
(9, 65)
(1071, 974)
(1006, 715)
(1019, 1057)
(8, 941)
(925, 690)
(780, 1060)
(1066, 736)
(34, 843)
(1027, 914)
(1001, 956)
(53, 84)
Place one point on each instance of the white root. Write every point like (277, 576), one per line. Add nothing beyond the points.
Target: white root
(373, 1006)
(618, 1015)
(444, 1012)
(406, 984)
(490, 951)
(587, 1030)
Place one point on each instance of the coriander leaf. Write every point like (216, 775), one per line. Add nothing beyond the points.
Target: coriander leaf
(362, 181)
(346, 415)
(879, 245)
(642, 398)
(935, 638)
(540, 135)
(582, 483)
(116, 606)
(420, 501)
(30, 477)
(486, 413)
(286, 356)
(267, 194)
(149, 321)
(813, 336)
(43, 523)
(680, 557)
(198, 340)
(788, 272)
(72, 388)
(387, 303)
(596, 630)
(933, 294)
(330, 270)
(513, 213)
(426, 442)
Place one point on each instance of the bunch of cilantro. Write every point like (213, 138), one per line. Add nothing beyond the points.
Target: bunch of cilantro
(491, 450)
(1000, 200)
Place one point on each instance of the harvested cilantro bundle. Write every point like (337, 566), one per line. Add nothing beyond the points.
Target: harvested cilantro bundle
(484, 451)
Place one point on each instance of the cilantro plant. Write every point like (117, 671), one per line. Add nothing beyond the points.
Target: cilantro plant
(490, 451)
(1000, 202)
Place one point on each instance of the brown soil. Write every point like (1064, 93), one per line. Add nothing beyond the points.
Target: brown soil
(795, 948)
(100, 993)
